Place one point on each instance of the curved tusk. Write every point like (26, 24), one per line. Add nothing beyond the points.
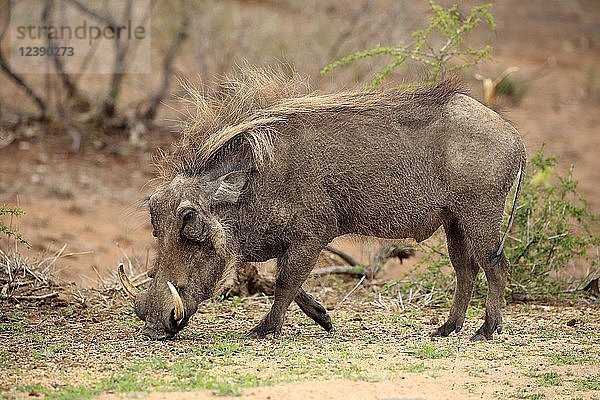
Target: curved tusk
(126, 283)
(179, 311)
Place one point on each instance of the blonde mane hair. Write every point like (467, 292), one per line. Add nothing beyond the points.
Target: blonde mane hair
(255, 102)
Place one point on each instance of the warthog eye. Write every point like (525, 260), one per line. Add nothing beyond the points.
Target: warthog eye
(192, 228)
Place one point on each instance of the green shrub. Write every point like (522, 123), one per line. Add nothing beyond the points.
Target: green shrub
(440, 47)
(5, 229)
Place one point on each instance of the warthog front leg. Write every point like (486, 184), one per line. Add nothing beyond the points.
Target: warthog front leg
(292, 270)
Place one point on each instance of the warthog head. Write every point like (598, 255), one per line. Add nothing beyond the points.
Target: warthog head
(193, 254)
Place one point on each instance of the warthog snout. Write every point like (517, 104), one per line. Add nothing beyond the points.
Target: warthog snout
(162, 308)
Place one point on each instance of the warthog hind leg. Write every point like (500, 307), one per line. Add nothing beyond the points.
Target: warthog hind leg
(466, 271)
(496, 272)
(313, 309)
(482, 230)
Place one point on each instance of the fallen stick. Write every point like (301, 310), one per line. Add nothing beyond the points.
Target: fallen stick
(36, 298)
(342, 270)
(342, 254)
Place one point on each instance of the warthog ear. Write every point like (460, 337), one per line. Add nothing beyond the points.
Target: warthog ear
(192, 228)
(230, 187)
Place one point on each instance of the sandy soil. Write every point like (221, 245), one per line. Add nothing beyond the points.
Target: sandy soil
(63, 349)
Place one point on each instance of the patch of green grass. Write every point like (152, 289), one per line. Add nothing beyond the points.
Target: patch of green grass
(153, 363)
(579, 356)
(526, 308)
(33, 389)
(127, 383)
(549, 331)
(127, 323)
(473, 312)
(72, 393)
(224, 385)
(220, 349)
(402, 320)
(546, 378)
(430, 351)
(187, 367)
(4, 361)
(12, 327)
(529, 396)
(550, 379)
(34, 338)
(590, 383)
(415, 368)
(49, 351)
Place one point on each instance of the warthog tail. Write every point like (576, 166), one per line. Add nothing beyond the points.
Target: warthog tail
(514, 208)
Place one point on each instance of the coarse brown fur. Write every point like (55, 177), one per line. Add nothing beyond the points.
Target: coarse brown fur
(258, 102)
(266, 169)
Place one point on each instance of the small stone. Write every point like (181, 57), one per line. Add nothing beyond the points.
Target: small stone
(24, 146)
(571, 322)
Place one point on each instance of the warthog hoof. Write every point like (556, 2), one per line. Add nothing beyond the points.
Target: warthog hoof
(451, 325)
(478, 337)
(264, 328)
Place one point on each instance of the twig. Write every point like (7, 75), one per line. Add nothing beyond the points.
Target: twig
(353, 289)
(341, 270)
(143, 282)
(56, 257)
(401, 302)
(69, 85)
(342, 254)
(36, 298)
(41, 104)
(102, 281)
(79, 253)
(118, 72)
(135, 278)
(86, 10)
(167, 68)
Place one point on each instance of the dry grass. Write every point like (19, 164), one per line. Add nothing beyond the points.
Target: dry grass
(89, 344)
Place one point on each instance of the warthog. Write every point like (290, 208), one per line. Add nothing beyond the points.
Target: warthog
(267, 170)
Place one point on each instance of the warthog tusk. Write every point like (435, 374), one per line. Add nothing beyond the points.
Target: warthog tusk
(126, 283)
(179, 311)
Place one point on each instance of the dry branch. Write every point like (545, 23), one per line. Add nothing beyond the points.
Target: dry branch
(36, 298)
(105, 19)
(167, 68)
(342, 254)
(70, 86)
(40, 104)
(349, 270)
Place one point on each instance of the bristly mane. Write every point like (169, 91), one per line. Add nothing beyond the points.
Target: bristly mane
(253, 105)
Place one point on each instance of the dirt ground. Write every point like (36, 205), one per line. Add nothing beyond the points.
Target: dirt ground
(64, 349)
